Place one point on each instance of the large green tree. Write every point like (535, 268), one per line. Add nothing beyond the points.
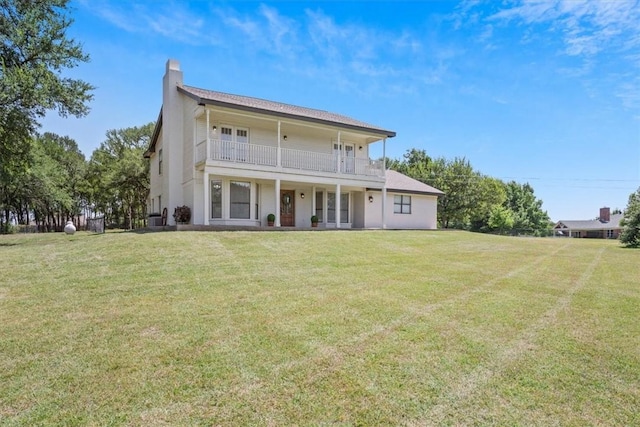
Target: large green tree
(34, 52)
(119, 175)
(528, 216)
(630, 235)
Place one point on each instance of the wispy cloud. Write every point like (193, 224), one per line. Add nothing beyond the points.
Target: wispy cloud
(170, 20)
(587, 26)
(596, 32)
(353, 56)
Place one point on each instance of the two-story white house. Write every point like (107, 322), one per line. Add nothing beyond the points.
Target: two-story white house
(235, 159)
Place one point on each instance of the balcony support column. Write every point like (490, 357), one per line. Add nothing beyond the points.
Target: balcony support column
(338, 206)
(277, 213)
(207, 205)
(313, 200)
(384, 206)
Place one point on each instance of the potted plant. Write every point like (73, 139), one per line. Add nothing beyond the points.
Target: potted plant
(271, 219)
(182, 214)
(314, 221)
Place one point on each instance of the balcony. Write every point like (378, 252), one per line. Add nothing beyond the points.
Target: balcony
(264, 155)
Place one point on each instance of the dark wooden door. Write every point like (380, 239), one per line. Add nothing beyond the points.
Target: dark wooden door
(287, 208)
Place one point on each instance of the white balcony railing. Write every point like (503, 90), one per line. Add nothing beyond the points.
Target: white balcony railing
(292, 159)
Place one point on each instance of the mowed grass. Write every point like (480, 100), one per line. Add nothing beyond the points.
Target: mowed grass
(318, 328)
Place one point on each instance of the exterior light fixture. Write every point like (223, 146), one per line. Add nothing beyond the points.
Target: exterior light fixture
(360, 148)
(302, 195)
(370, 199)
(284, 137)
(214, 128)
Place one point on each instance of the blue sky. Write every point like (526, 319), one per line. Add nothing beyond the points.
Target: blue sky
(539, 91)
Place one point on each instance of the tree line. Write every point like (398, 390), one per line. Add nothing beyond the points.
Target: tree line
(474, 201)
(47, 180)
(58, 184)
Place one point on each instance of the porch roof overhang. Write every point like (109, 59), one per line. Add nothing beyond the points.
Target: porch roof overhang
(280, 110)
(397, 182)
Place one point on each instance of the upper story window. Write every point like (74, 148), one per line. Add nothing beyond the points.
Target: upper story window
(160, 162)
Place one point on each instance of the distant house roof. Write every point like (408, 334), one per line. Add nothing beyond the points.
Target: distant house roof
(593, 224)
(400, 183)
(257, 105)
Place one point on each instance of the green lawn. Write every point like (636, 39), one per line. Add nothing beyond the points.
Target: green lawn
(318, 328)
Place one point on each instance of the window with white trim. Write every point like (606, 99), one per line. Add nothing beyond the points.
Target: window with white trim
(401, 204)
(344, 207)
(319, 206)
(216, 199)
(240, 200)
(160, 162)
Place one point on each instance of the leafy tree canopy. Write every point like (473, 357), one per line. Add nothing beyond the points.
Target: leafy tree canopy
(472, 200)
(630, 235)
(34, 51)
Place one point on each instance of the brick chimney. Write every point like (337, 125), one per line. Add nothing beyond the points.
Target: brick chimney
(605, 214)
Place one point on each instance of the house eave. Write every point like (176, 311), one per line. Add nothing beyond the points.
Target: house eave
(204, 102)
(154, 136)
(395, 190)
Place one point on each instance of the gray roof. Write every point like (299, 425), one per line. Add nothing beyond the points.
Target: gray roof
(400, 183)
(257, 105)
(592, 224)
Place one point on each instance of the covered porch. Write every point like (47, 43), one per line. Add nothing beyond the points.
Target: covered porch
(247, 201)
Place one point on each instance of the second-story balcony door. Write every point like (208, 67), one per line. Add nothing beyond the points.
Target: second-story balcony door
(234, 143)
(242, 144)
(287, 208)
(348, 157)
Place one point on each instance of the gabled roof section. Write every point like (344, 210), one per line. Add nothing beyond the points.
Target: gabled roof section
(591, 224)
(400, 183)
(257, 105)
(154, 137)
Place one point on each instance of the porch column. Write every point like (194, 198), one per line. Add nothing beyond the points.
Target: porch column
(279, 160)
(384, 187)
(384, 156)
(208, 141)
(337, 205)
(384, 206)
(339, 159)
(277, 213)
(207, 205)
(325, 206)
(313, 200)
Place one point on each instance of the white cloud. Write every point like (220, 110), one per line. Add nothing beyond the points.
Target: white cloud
(603, 34)
(588, 26)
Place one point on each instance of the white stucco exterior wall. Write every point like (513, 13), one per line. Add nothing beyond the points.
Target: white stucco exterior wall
(423, 216)
(172, 137)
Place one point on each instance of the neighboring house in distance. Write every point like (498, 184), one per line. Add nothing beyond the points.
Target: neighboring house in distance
(235, 159)
(606, 226)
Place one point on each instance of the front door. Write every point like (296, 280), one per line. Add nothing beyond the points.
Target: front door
(287, 208)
